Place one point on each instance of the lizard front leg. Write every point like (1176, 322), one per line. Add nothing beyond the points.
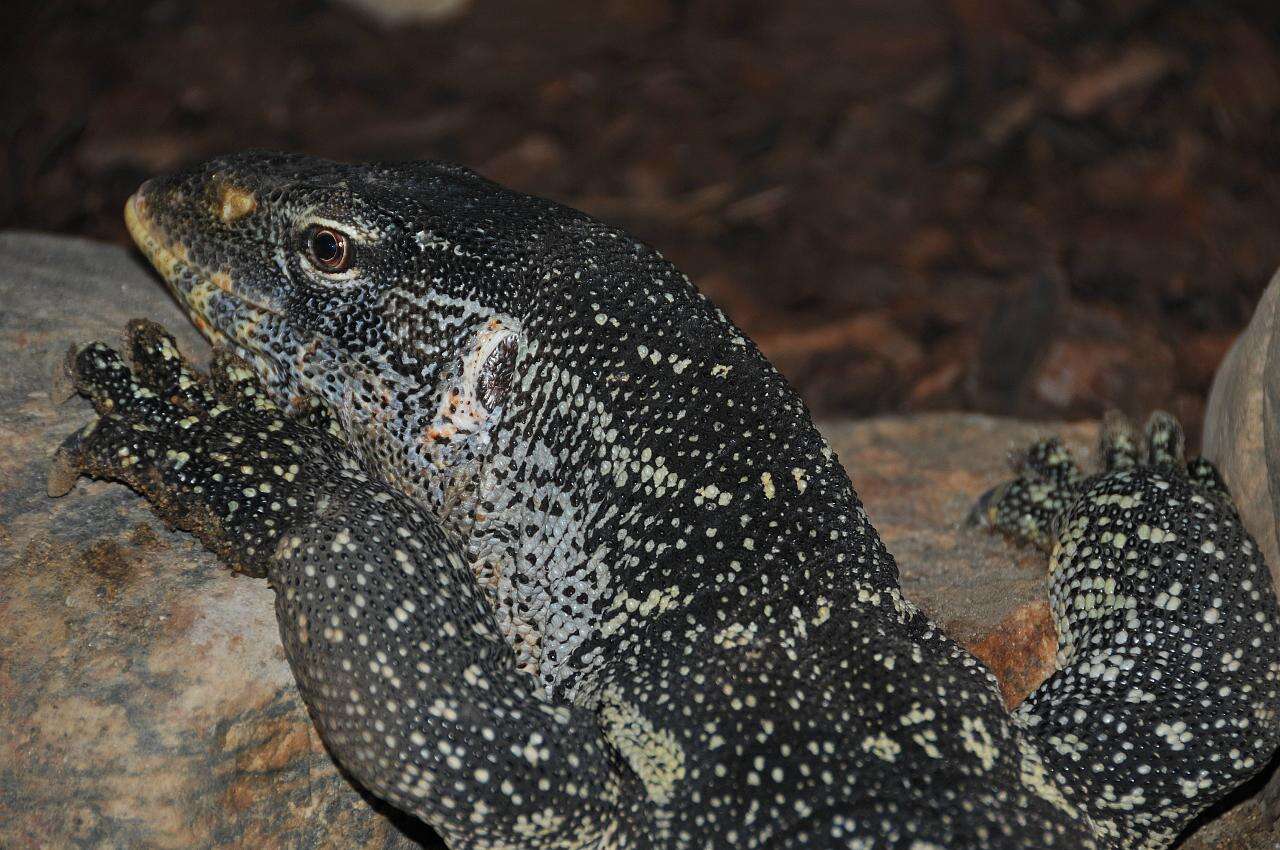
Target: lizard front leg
(1168, 682)
(396, 653)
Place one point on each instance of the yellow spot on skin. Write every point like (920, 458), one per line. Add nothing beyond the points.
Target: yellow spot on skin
(538, 824)
(882, 746)
(653, 753)
(1035, 777)
(222, 280)
(977, 740)
(235, 203)
(767, 480)
(735, 634)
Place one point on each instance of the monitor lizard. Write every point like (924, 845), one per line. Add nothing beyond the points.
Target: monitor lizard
(560, 559)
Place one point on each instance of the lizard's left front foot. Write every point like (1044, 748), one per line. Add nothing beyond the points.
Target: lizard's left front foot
(1047, 480)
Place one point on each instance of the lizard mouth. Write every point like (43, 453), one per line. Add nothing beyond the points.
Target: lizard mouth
(214, 303)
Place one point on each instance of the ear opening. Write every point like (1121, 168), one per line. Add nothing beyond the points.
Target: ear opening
(489, 365)
(482, 382)
(495, 353)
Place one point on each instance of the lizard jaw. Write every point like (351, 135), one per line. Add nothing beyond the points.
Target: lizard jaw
(215, 305)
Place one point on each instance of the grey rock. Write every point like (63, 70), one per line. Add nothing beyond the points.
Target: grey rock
(1242, 436)
(1242, 424)
(144, 697)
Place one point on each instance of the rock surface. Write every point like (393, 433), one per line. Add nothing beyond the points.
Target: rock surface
(1242, 424)
(1242, 436)
(144, 697)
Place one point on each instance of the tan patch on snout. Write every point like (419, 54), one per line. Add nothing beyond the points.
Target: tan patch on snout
(222, 280)
(235, 203)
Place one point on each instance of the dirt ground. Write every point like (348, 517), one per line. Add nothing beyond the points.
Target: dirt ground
(1033, 207)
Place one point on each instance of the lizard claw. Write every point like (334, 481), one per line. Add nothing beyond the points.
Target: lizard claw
(1166, 444)
(67, 463)
(63, 385)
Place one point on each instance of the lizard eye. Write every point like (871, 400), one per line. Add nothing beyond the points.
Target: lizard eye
(330, 250)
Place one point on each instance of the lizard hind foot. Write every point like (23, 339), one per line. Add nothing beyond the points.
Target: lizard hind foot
(1168, 663)
(1047, 480)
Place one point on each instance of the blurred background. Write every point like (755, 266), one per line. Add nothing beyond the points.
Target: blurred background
(1030, 207)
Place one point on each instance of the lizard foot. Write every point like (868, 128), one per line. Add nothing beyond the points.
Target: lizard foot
(1047, 480)
(370, 591)
(1163, 698)
(205, 451)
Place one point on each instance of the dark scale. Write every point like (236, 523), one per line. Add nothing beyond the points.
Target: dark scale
(561, 561)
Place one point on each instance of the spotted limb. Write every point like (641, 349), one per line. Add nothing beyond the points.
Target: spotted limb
(1166, 691)
(396, 654)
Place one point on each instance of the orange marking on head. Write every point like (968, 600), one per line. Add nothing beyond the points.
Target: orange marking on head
(222, 280)
(234, 203)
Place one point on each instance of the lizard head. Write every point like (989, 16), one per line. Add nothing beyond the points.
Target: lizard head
(295, 261)
(546, 384)
(391, 294)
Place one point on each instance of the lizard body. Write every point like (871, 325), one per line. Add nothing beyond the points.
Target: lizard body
(561, 560)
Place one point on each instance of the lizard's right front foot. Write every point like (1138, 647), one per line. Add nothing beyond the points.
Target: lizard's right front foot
(212, 455)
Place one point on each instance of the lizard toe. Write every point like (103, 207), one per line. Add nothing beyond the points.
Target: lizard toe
(1118, 444)
(99, 373)
(234, 382)
(109, 448)
(1166, 444)
(1050, 461)
(1046, 481)
(158, 364)
(67, 465)
(1205, 476)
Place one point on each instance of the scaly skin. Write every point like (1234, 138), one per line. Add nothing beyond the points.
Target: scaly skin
(561, 561)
